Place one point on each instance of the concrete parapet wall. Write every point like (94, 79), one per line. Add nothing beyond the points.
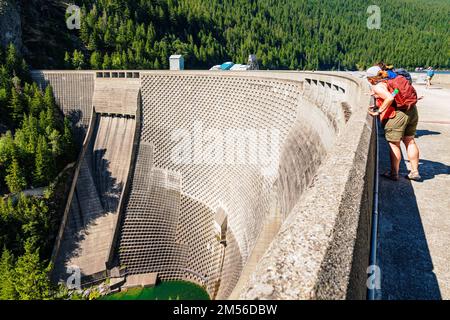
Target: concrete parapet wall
(321, 251)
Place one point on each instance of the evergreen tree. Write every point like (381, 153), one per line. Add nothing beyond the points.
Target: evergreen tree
(7, 150)
(67, 61)
(106, 62)
(96, 60)
(12, 59)
(49, 99)
(78, 60)
(31, 280)
(36, 103)
(28, 156)
(7, 289)
(67, 142)
(44, 168)
(55, 143)
(50, 104)
(15, 179)
(16, 107)
(43, 122)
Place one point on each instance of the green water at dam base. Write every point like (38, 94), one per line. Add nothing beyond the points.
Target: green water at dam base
(167, 290)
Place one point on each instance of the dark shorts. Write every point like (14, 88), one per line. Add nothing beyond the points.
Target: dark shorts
(403, 125)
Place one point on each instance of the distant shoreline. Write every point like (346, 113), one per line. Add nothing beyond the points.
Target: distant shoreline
(435, 72)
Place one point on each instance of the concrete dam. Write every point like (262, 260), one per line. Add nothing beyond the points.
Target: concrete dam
(253, 185)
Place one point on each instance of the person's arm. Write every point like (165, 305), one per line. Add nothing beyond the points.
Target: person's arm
(382, 92)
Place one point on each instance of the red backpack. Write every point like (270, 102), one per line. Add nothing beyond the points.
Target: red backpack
(406, 96)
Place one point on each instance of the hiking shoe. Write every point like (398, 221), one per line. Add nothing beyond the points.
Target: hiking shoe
(414, 175)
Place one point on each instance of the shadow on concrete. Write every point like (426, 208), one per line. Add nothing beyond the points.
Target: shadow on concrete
(108, 188)
(85, 209)
(405, 261)
(421, 133)
(79, 131)
(430, 169)
(96, 195)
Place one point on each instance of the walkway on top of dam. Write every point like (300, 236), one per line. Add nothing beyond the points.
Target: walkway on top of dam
(414, 229)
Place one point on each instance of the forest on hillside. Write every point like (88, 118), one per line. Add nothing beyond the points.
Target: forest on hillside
(36, 144)
(284, 34)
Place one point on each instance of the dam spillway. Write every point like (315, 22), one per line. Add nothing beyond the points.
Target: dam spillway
(165, 152)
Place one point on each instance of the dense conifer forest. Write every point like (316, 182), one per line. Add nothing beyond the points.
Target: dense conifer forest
(36, 144)
(284, 34)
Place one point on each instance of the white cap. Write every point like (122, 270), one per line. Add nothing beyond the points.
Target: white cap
(372, 71)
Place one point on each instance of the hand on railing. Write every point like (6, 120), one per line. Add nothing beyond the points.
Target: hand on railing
(373, 111)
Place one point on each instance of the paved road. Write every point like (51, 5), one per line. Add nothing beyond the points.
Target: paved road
(414, 235)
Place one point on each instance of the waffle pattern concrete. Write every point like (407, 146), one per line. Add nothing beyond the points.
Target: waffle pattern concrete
(73, 93)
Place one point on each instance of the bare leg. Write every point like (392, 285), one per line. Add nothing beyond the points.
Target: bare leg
(413, 153)
(396, 157)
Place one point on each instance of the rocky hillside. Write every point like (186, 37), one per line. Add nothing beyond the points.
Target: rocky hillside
(38, 29)
(10, 26)
(45, 35)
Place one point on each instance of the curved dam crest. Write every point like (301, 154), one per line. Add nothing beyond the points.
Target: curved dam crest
(158, 190)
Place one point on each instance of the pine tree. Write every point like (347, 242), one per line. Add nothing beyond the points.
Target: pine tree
(156, 65)
(7, 289)
(12, 59)
(7, 150)
(16, 107)
(67, 141)
(50, 104)
(78, 60)
(55, 143)
(44, 167)
(116, 60)
(67, 61)
(36, 103)
(32, 129)
(31, 280)
(96, 60)
(15, 179)
(106, 62)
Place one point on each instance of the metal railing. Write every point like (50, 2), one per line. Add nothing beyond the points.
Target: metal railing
(373, 265)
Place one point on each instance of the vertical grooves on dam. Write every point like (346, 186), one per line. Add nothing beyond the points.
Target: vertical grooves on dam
(93, 214)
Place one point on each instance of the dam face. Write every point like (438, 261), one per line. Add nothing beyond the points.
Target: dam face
(191, 174)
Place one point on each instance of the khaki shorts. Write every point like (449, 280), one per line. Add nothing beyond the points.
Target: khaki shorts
(403, 125)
